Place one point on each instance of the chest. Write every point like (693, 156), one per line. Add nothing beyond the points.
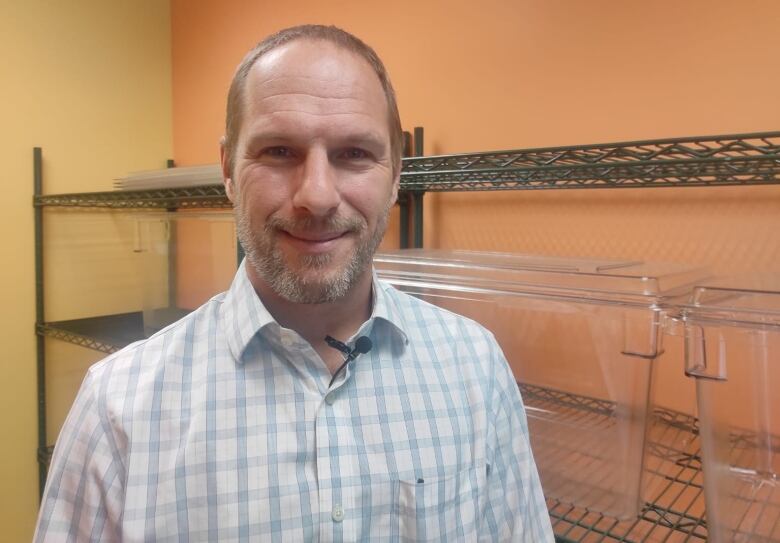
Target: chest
(264, 446)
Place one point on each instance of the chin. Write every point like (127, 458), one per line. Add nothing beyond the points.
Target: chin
(322, 279)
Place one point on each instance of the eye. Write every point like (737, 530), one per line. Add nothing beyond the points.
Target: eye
(355, 154)
(278, 152)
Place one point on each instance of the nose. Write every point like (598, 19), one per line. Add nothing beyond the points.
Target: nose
(317, 190)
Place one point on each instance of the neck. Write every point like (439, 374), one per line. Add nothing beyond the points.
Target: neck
(340, 318)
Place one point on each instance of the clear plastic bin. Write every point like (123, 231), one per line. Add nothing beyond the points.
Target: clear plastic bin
(186, 258)
(89, 264)
(732, 349)
(581, 337)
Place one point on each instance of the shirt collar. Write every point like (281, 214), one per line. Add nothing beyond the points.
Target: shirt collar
(388, 310)
(243, 315)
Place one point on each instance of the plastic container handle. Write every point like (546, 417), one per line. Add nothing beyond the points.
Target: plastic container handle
(698, 360)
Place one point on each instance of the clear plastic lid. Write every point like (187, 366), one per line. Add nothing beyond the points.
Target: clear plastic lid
(750, 300)
(189, 176)
(589, 279)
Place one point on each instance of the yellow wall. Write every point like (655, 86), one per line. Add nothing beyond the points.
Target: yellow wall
(89, 81)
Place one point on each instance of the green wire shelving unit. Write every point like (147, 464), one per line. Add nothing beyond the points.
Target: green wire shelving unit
(675, 513)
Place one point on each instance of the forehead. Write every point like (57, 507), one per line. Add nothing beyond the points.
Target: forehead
(310, 79)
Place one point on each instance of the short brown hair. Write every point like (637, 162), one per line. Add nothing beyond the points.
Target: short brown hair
(330, 34)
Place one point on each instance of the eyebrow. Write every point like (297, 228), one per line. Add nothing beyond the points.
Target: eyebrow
(369, 138)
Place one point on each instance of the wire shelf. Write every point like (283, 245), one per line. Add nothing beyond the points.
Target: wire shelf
(754, 505)
(106, 334)
(673, 507)
(755, 145)
(206, 196)
(76, 339)
(742, 159)
(715, 172)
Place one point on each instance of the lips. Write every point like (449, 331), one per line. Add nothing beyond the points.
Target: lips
(312, 242)
(315, 237)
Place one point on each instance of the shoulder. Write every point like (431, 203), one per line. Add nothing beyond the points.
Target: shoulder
(462, 348)
(126, 375)
(424, 318)
(458, 351)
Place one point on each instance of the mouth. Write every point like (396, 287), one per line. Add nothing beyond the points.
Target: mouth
(315, 237)
(313, 242)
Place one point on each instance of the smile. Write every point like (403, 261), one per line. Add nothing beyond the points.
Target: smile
(313, 242)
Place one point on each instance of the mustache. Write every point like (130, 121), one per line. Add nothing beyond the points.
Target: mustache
(314, 224)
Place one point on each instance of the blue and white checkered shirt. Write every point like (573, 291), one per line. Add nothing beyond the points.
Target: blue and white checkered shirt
(222, 428)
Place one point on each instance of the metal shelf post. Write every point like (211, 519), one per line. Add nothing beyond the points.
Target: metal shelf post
(417, 196)
(40, 344)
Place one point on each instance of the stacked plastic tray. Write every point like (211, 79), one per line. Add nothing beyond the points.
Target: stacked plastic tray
(732, 349)
(185, 258)
(581, 337)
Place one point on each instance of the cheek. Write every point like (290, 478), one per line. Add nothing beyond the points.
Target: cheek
(258, 201)
(371, 204)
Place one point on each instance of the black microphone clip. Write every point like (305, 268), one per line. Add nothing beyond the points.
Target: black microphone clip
(362, 346)
(338, 345)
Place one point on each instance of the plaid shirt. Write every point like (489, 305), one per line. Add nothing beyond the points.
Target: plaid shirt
(222, 427)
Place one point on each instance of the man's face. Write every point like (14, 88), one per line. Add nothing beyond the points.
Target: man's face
(313, 180)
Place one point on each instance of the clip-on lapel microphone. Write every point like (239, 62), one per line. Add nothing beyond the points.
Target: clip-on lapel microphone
(362, 346)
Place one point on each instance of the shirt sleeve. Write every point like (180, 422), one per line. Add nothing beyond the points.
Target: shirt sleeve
(85, 485)
(515, 508)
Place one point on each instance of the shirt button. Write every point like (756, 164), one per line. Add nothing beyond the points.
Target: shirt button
(338, 513)
(330, 398)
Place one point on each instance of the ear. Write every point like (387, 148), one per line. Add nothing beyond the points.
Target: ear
(227, 179)
(396, 185)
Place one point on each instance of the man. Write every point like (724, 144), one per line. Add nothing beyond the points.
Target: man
(241, 422)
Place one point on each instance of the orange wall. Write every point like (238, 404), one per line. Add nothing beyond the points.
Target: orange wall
(500, 74)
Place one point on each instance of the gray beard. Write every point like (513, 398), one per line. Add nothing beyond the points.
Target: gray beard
(263, 254)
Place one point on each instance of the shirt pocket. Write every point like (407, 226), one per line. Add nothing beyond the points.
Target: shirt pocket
(442, 508)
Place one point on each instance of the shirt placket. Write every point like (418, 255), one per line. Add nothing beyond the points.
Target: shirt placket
(335, 465)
